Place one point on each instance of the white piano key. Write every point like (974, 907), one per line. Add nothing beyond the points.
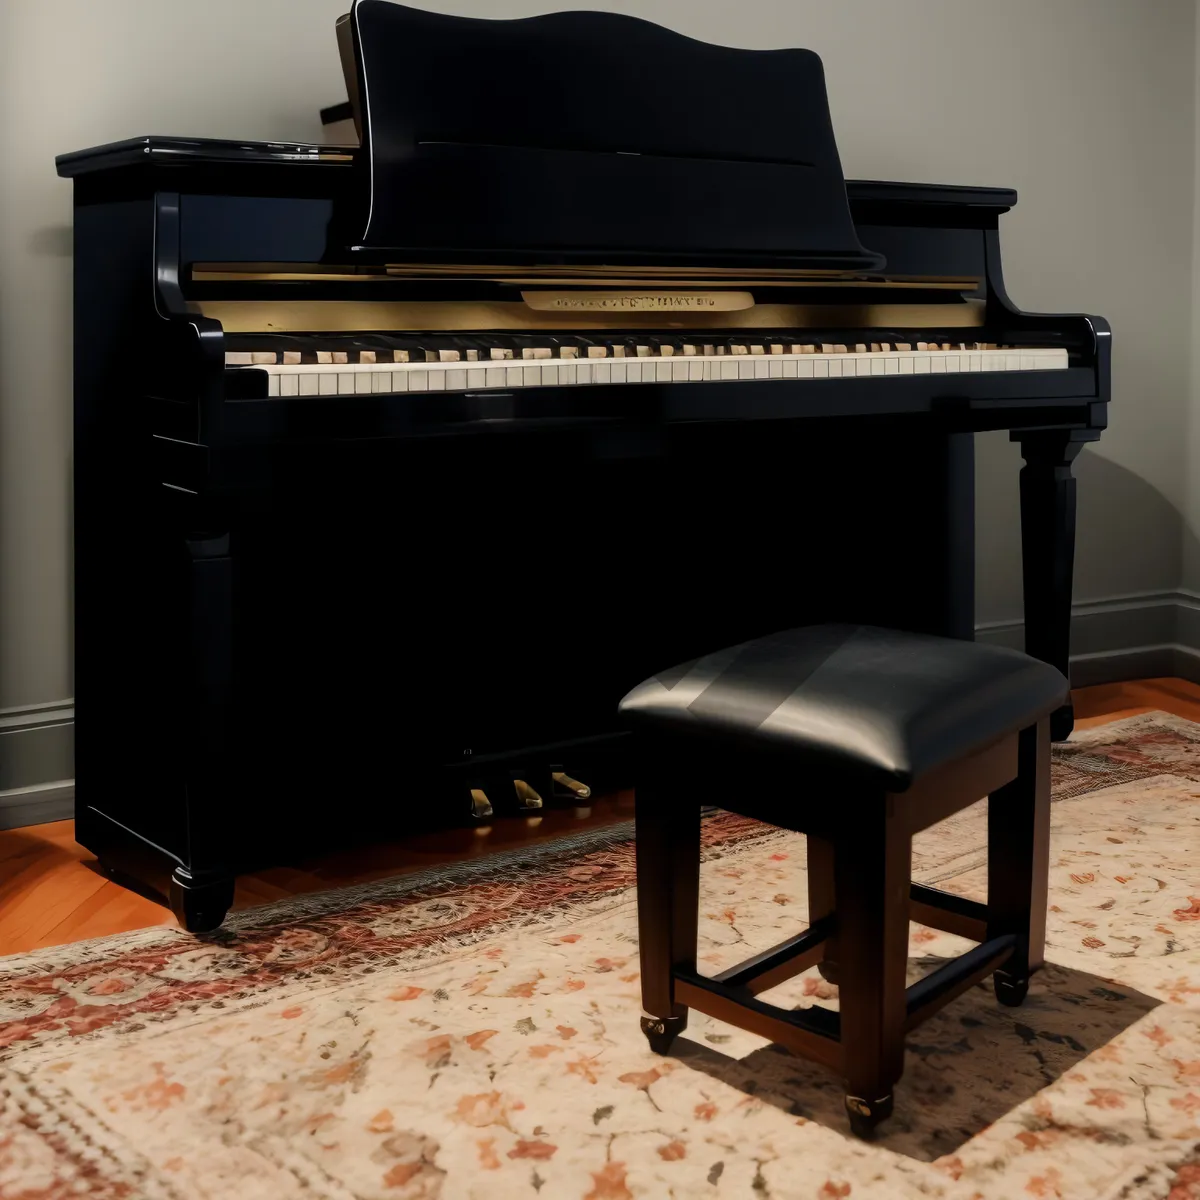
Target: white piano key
(309, 385)
(532, 376)
(516, 377)
(328, 383)
(906, 365)
(662, 371)
(974, 360)
(696, 369)
(476, 377)
(567, 371)
(418, 379)
(878, 366)
(776, 367)
(835, 364)
(862, 365)
(891, 365)
(745, 367)
(633, 371)
(272, 385)
(362, 382)
(437, 381)
(937, 364)
(762, 365)
(804, 367)
(679, 370)
(921, 364)
(381, 381)
(345, 383)
(399, 381)
(1012, 362)
(496, 377)
(602, 372)
(729, 368)
(618, 370)
(583, 371)
(550, 376)
(953, 363)
(1027, 362)
(289, 385)
(456, 379)
(238, 358)
(791, 367)
(821, 368)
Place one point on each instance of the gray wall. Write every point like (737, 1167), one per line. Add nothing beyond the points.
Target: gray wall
(1085, 106)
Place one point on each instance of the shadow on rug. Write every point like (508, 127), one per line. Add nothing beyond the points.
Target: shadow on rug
(939, 1103)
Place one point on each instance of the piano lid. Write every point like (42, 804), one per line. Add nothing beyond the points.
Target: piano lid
(581, 134)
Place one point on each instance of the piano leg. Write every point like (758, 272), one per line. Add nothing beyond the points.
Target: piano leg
(199, 902)
(201, 890)
(1048, 549)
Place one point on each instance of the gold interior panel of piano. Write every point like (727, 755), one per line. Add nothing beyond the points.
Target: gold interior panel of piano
(346, 316)
(623, 276)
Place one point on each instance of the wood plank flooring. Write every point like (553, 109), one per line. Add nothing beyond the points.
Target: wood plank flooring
(51, 891)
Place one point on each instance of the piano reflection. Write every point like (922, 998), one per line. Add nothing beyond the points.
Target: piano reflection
(397, 463)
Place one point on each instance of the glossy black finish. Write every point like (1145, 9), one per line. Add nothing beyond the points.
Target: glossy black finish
(878, 707)
(423, 592)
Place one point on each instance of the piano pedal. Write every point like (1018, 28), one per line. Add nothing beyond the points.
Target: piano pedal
(480, 806)
(566, 788)
(527, 797)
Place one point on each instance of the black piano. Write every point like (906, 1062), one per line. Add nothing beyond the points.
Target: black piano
(397, 465)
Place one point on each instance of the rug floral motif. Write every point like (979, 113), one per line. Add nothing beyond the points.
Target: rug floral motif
(473, 1033)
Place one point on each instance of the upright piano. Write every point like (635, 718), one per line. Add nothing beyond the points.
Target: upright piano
(397, 465)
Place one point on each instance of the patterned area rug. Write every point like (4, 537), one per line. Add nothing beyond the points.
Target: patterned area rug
(474, 1032)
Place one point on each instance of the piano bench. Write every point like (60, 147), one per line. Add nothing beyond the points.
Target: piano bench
(858, 737)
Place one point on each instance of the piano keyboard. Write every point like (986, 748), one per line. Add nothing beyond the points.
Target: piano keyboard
(478, 369)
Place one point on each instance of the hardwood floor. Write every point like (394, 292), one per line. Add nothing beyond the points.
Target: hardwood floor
(51, 891)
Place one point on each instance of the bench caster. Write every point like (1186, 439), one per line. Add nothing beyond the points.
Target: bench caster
(662, 1031)
(1009, 991)
(865, 1115)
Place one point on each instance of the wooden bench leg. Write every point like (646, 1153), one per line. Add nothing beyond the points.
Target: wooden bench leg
(872, 866)
(821, 898)
(668, 893)
(1019, 863)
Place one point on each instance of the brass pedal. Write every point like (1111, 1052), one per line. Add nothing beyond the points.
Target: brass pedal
(527, 797)
(481, 806)
(566, 788)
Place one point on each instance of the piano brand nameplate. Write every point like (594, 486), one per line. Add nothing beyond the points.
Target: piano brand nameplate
(611, 301)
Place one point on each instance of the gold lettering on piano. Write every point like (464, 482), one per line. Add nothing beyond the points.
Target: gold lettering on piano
(614, 301)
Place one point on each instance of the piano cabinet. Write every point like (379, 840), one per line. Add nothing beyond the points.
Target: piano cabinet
(308, 619)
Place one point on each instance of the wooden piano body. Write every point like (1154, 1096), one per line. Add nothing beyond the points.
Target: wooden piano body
(304, 619)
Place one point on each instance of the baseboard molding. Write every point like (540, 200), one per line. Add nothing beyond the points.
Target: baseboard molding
(37, 745)
(1124, 637)
(35, 805)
